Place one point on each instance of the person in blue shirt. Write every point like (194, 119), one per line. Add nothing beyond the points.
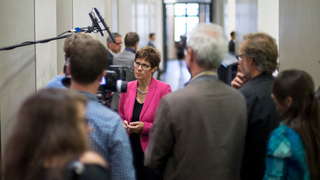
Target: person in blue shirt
(69, 43)
(108, 137)
(293, 148)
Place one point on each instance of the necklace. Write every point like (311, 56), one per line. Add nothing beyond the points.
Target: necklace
(141, 91)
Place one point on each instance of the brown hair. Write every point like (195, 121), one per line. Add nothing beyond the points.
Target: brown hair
(45, 128)
(71, 41)
(150, 55)
(304, 109)
(88, 60)
(131, 39)
(263, 49)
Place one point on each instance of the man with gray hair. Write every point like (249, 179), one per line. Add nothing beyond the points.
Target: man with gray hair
(199, 131)
(114, 48)
(257, 57)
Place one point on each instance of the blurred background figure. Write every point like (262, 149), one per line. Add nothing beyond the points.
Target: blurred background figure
(152, 38)
(293, 148)
(50, 140)
(138, 106)
(181, 46)
(232, 43)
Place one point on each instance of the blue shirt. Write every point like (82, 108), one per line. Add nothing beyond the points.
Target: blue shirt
(286, 157)
(109, 138)
(56, 82)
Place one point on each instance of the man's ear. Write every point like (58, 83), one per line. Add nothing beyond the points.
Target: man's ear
(191, 54)
(103, 74)
(68, 71)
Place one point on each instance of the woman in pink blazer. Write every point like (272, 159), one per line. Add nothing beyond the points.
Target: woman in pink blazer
(137, 107)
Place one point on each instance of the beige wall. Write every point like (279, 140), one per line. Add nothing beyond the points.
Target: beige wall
(299, 36)
(25, 69)
(17, 67)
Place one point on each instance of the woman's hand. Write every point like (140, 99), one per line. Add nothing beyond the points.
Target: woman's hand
(125, 125)
(135, 127)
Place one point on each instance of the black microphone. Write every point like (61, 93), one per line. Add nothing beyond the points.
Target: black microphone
(105, 25)
(95, 23)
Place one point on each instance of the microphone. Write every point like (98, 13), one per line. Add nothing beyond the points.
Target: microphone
(105, 25)
(95, 23)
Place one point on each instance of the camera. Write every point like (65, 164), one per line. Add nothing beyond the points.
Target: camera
(114, 81)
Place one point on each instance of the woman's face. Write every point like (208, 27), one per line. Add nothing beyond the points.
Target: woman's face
(142, 69)
(85, 129)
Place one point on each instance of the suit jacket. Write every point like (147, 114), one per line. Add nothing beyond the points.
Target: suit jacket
(125, 58)
(156, 91)
(199, 133)
(263, 118)
(110, 59)
(231, 47)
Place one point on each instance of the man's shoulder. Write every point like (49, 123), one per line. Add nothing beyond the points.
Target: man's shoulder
(99, 112)
(260, 85)
(56, 82)
(123, 56)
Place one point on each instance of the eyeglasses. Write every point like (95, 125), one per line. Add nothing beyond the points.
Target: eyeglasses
(239, 57)
(118, 43)
(143, 66)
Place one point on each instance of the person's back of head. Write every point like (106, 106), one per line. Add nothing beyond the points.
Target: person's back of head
(294, 92)
(209, 45)
(47, 127)
(263, 50)
(131, 39)
(71, 41)
(88, 61)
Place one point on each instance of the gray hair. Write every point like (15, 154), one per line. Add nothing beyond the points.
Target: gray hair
(115, 35)
(209, 43)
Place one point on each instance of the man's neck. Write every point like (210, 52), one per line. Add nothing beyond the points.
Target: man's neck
(91, 88)
(254, 72)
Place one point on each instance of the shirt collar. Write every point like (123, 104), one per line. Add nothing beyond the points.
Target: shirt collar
(88, 95)
(204, 73)
(130, 49)
(111, 52)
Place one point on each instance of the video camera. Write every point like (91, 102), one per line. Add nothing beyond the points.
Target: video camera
(114, 81)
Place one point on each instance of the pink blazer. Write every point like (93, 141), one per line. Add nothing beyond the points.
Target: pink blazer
(156, 91)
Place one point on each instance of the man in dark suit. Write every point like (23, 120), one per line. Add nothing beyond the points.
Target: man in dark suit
(199, 131)
(114, 48)
(232, 43)
(126, 58)
(257, 57)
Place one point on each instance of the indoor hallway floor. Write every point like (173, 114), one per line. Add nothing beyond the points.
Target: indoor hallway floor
(176, 75)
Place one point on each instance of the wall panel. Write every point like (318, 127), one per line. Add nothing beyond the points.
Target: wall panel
(46, 54)
(17, 67)
(299, 36)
